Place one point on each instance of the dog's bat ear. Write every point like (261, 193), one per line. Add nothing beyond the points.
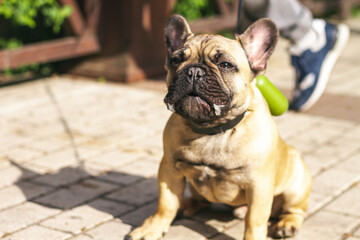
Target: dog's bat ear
(259, 41)
(177, 30)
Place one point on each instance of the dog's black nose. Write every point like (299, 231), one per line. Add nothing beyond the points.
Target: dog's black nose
(195, 72)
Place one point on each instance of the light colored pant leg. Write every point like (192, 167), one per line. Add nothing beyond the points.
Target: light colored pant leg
(293, 19)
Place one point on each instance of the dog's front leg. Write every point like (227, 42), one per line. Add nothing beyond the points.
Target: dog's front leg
(259, 198)
(171, 189)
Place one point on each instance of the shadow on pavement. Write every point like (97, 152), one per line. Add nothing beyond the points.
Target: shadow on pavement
(127, 197)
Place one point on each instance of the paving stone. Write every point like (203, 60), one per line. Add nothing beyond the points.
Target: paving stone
(141, 168)
(151, 145)
(120, 178)
(37, 130)
(314, 163)
(13, 174)
(317, 201)
(35, 169)
(81, 237)
(76, 194)
(38, 233)
(333, 181)
(4, 162)
(291, 124)
(98, 145)
(137, 194)
(112, 230)
(218, 216)
(22, 216)
(315, 136)
(190, 230)
(347, 203)
(11, 140)
(136, 217)
(326, 225)
(357, 232)
(354, 133)
(116, 158)
(77, 220)
(111, 207)
(338, 150)
(22, 154)
(234, 232)
(351, 165)
(55, 161)
(88, 152)
(64, 176)
(21, 192)
(49, 144)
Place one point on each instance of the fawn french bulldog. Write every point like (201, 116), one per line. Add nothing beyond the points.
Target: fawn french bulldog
(221, 137)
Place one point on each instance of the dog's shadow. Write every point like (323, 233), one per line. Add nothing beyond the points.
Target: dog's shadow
(127, 197)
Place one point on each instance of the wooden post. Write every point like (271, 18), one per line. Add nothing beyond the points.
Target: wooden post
(131, 35)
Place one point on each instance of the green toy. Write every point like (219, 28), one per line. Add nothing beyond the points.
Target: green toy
(277, 102)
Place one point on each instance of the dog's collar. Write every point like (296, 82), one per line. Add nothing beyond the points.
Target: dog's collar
(218, 128)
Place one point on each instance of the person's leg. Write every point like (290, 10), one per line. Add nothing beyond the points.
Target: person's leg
(292, 18)
(315, 45)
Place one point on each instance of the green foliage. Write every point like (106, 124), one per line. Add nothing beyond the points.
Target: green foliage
(11, 43)
(24, 12)
(43, 69)
(28, 21)
(194, 9)
(227, 33)
(355, 11)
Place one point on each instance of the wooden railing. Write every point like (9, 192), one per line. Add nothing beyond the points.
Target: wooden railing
(83, 43)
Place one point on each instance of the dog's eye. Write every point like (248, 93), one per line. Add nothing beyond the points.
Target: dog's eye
(226, 65)
(174, 61)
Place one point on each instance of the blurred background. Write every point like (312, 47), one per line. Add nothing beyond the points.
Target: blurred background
(114, 40)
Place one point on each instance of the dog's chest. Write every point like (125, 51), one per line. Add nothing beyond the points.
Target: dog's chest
(214, 169)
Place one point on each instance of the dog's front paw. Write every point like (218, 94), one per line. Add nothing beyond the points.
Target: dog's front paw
(152, 229)
(287, 227)
(144, 234)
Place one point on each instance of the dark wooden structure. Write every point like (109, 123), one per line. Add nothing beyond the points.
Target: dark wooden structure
(132, 41)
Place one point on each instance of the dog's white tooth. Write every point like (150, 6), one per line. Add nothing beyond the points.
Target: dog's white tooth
(170, 107)
(217, 109)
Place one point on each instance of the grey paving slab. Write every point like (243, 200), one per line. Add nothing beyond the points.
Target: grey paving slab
(22, 216)
(348, 202)
(357, 232)
(21, 154)
(38, 233)
(111, 230)
(189, 229)
(136, 217)
(77, 220)
(12, 174)
(21, 192)
(64, 176)
(327, 225)
(68, 197)
(138, 193)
